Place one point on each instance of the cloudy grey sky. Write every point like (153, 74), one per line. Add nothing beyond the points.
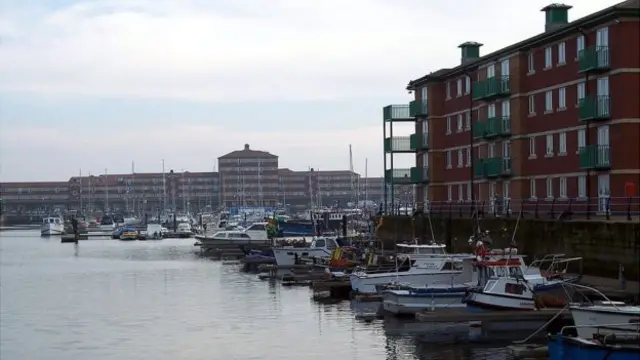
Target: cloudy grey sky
(95, 84)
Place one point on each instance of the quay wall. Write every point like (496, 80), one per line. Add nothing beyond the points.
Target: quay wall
(604, 245)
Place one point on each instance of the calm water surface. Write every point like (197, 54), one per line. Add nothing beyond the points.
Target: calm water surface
(107, 299)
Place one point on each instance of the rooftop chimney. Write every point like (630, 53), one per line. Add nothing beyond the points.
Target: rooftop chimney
(246, 146)
(470, 51)
(556, 16)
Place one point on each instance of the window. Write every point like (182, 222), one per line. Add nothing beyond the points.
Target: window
(448, 125)
(532, 146)
(449, 192)
(448, 90)
(459, 87)
(562, 143)
(532, 105)
(563, 187)
(562, 98)
(582, 139)
(467, 125)
(532, 67)
(561, 53)
(460, 192)
(491, 111)
(469, 156)
(469, 191)
(448, 159)
(532, 189)
(580, 91)
(550, 188)
(460, 123)
(582, 186)
(550, 145)
(579, 45)
(548, 57)
(467, 84)
(460, 158)
(548, 101)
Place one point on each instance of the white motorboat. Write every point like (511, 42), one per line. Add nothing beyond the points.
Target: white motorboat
(412, 299)
(184, 230)
(256, 234)
(420, 265)
(52, 225)
(107, 223)
(320, 248)
(607, 317)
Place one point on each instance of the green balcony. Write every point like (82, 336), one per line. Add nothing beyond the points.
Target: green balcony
(478, 168)
(397, 176)
(419, 141)
(397, 144)
(479, 129)
(595, 157)
(418, 108)
(497, 126)
(419, 175)
(496, 166)
(594, 108)
(594, 58)
(491, 88)
(396, 113)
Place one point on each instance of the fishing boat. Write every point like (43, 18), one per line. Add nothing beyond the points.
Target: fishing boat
(256, 234)
(574, 348)
(52, 225)
(416, 265)
(320, 248)
(622, 319)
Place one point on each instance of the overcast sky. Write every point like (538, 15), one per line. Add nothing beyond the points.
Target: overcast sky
(97, 84)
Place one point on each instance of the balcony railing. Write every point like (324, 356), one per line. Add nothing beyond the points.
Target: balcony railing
(497, 126)
(594, 58)
(396, 112)
(594, 108)
(492, 167)
(419, 141)
(398, 176)
(595, 157)
(397, 144)
(419, 175)
(492, 87)
(479, 129)
(418, 108)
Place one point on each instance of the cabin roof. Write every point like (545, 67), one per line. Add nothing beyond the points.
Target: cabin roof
(416, 246)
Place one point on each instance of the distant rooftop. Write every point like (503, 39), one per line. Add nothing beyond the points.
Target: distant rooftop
(247, 153)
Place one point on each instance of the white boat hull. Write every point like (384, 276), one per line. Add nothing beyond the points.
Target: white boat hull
(607, 322)
(52, 230)
(491, 301)
(368, 283)
(286, 256)
(403, 302)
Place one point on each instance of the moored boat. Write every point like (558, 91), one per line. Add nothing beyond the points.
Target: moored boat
(52, 225)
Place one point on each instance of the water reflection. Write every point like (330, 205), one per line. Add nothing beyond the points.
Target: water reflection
(106, 299)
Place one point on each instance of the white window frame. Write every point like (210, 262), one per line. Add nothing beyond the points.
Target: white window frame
(460, 193)
(549, 147)
(582, 186)
(491, 111)
(469, 191)
(460, 123)
(548, 102)
(562, 143)
(579, 45)
(448, 90)
(491, 71)
(533, 194)
(459, 87)
(580, 92)
(562, 98)
(562, 53)
(448, 159)
(449, 193)
(548, 57)
(531, 64)
(467, 125)
(448, 131)
(532, 147)
(460, 158)
(532, 105)
(581, 135)
(467, 84)
(562, 185)
(550, 188)
(468, 156)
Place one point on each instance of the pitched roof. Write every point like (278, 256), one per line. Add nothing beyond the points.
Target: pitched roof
(247, 153)
(629, 7)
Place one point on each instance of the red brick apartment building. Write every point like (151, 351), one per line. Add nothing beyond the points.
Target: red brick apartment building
(556, 116)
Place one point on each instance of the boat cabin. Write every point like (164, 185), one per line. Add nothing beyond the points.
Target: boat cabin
(432, 249)
(231, 235)
(51, 220)
(323, 243)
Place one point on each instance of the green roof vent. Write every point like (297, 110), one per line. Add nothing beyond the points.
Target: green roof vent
(556, 16)
(470, 51)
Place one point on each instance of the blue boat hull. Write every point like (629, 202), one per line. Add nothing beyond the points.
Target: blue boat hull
(566, 348)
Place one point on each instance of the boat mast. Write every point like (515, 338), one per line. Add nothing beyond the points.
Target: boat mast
(106, 190)
(366, 176)
(80, 191)
(259, 183)
(184, 192)
(164, 189)
(90, 192)
(318, 189)
(132, 187)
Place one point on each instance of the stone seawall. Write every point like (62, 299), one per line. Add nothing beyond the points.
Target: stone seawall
(604, 246)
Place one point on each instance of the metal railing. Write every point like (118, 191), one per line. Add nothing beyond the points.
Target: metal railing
(618, 208)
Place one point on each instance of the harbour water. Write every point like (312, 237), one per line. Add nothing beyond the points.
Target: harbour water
(108, 299)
